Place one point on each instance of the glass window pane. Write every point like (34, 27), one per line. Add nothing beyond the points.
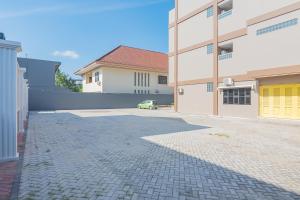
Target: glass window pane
(230, 93)
(242, 100)
(230, 100)
(225, 93)
(248, 100)
(242, 92)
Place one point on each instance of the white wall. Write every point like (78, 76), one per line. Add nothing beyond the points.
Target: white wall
(93, 87)
(260, 7)
(171, 74)
(274, 49)
(117, 80)
(172, 16)
(187, 6)
(235, 21)
(195, 64)
(196, 100)
(171, 39)
(195, 30)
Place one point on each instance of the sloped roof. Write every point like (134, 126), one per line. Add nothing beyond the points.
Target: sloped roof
(135, 57)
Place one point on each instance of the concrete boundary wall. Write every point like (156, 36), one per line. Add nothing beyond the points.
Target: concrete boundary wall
(40, 99)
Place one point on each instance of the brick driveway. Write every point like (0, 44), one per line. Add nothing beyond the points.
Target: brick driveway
(131, 154)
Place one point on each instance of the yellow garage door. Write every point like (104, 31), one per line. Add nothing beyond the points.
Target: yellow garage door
(280, 101)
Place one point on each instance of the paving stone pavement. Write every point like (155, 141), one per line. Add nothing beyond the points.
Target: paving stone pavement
(133, 154)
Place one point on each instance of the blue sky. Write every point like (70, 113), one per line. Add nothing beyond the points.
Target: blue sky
(76, 32)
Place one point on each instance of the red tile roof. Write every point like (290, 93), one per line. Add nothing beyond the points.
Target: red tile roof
(135, 57)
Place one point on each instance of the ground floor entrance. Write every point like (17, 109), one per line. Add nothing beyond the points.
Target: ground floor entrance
(280, 101)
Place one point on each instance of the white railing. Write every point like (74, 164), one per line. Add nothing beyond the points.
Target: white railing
(225, 56)
(225, 14)
(13, 100)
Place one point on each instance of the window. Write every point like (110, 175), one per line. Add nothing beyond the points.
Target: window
(210, 48)
(210, 87)
(240, 96)
(276, 27)
(148, 80)
(138, 91)
(134, 78)
(97, 77)
(88, 78)
(145, 75)
(210, 12)
(225, 9)
(142, 77)
(138, 79)
(134, 91)
(149, 91)
(162, 80)
(225, 51)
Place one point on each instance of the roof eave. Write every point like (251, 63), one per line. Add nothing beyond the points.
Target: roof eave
(87, 68)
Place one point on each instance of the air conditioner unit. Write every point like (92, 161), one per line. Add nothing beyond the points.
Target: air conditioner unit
(99, 83)
(228, 82)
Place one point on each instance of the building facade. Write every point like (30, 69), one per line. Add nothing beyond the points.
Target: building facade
(127, 70)
(235, 58)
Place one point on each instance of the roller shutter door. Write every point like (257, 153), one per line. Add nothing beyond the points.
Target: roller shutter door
(280, 101)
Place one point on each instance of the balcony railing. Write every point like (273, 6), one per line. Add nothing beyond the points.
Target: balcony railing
(225, 14)
(225, 56)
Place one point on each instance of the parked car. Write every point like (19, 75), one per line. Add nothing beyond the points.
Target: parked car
(148, 104)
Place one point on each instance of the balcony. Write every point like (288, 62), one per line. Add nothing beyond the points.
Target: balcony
(225, 9)
(225, 51)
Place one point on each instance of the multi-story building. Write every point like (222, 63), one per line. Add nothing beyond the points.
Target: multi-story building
(127, 70)
(236, 57)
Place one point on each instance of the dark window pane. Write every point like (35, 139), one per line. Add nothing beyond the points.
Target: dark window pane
(242, 100)
(236, 92)
(242, 92)
(134, 78)
(162, 80)
(225, 93)
(225, 100)
(248, 100)
(236, 100)
(230, 100)
(248, 91)
(230, 93)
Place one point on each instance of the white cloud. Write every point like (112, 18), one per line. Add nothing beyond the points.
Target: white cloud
(67, 54)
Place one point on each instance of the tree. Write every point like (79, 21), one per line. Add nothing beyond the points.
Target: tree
(63, 80)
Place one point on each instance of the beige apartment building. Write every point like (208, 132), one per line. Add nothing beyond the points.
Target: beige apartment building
(127, 70)
(237, 58)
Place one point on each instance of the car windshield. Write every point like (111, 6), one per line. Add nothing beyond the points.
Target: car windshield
(154, 102)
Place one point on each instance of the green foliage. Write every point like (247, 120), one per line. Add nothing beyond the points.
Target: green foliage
(63, 80)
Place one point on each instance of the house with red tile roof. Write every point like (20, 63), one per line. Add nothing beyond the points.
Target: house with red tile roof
(127, 70)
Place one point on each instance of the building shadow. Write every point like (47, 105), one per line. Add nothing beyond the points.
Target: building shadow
(110, 154)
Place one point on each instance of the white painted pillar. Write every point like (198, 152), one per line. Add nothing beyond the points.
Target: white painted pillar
(8, 99)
